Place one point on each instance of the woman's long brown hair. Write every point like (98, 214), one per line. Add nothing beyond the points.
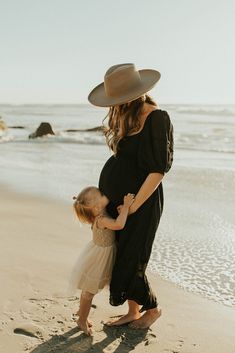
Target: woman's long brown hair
(124, 120)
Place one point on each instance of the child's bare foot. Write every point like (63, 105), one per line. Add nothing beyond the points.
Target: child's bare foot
(147, 319)
(84, 327)
(89, 323)
(124, 319)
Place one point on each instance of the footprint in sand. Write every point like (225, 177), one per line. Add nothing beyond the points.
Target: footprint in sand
(180, 344)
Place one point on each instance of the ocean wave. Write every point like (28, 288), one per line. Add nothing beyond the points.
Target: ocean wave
(61, 110)
(45, 112)
(79, 109)
(61, 137)
(200, 264)
(7, 138)
(96, 138)
(190, 142)
(206, 149)
(207, 110)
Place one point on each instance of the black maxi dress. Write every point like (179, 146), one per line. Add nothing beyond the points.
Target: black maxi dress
(149, 151)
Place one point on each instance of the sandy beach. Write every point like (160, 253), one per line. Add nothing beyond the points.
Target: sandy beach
(40, 240)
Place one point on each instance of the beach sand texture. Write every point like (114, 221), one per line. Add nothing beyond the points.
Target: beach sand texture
(40, 241)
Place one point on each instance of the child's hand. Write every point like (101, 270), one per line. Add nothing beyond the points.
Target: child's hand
(129, 199)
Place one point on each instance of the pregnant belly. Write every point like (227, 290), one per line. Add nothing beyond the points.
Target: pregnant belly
(118, 177)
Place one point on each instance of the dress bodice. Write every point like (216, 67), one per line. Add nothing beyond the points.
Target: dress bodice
(103, 237)
(138, 155)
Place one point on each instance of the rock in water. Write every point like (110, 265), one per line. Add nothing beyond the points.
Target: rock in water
(42, 130)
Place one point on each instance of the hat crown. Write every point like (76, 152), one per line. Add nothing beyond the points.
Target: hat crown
(120, 79)
(119, 67)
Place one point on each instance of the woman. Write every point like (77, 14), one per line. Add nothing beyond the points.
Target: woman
(141, 137)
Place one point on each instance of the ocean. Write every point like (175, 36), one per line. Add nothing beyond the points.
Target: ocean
(195, 243)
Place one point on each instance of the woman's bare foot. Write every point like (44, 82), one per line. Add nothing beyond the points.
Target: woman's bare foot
(84, 327)
(124, 319)
(147, 319)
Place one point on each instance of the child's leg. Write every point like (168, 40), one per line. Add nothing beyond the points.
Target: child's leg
(85, 306)
(78, 313)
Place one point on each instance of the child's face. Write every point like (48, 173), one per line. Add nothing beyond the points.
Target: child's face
(104, 201)
(99, 200)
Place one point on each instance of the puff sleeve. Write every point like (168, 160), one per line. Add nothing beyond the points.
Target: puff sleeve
(157, 145)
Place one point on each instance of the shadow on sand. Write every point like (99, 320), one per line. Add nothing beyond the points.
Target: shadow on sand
(118, 339)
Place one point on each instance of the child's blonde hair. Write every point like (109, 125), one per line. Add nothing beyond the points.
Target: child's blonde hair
(82, 205)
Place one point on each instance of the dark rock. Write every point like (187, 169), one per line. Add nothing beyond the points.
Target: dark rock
(42, 130)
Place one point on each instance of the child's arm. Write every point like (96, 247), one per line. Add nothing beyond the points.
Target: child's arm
(120, 221)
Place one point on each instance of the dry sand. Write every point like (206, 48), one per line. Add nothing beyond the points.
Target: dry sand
(40, 240)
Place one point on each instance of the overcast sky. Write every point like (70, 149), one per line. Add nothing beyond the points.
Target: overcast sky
(56, 51)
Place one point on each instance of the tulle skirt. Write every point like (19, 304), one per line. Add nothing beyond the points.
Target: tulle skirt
(93, 269)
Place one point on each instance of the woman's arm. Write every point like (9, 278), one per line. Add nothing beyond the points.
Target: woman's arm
(147, 188)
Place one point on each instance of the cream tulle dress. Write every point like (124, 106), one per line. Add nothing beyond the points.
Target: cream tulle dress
(93, 269)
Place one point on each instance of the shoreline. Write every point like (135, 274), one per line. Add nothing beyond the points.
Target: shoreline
(40, 242)
(175, 244)
(14, 190)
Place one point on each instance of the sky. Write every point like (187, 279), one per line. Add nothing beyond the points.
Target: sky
(57, 51)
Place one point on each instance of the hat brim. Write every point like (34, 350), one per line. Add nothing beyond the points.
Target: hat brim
(148, 80)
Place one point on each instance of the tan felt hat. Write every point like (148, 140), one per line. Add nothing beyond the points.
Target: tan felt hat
(122, 84)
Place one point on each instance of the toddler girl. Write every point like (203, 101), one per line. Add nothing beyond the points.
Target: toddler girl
(94, 266)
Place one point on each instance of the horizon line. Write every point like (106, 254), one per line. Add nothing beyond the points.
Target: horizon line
(89, 104)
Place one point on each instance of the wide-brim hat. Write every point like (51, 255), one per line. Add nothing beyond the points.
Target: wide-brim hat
(122, 84)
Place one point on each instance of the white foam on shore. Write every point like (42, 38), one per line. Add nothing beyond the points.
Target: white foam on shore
(199, 262)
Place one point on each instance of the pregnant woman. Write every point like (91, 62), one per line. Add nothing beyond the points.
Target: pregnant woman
(141, 138)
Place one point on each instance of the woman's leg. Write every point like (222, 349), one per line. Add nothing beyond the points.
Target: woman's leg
(133, 314)
(85, 306)
(152, 311)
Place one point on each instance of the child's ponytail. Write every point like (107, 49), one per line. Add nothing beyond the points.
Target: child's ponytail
(82, 209)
